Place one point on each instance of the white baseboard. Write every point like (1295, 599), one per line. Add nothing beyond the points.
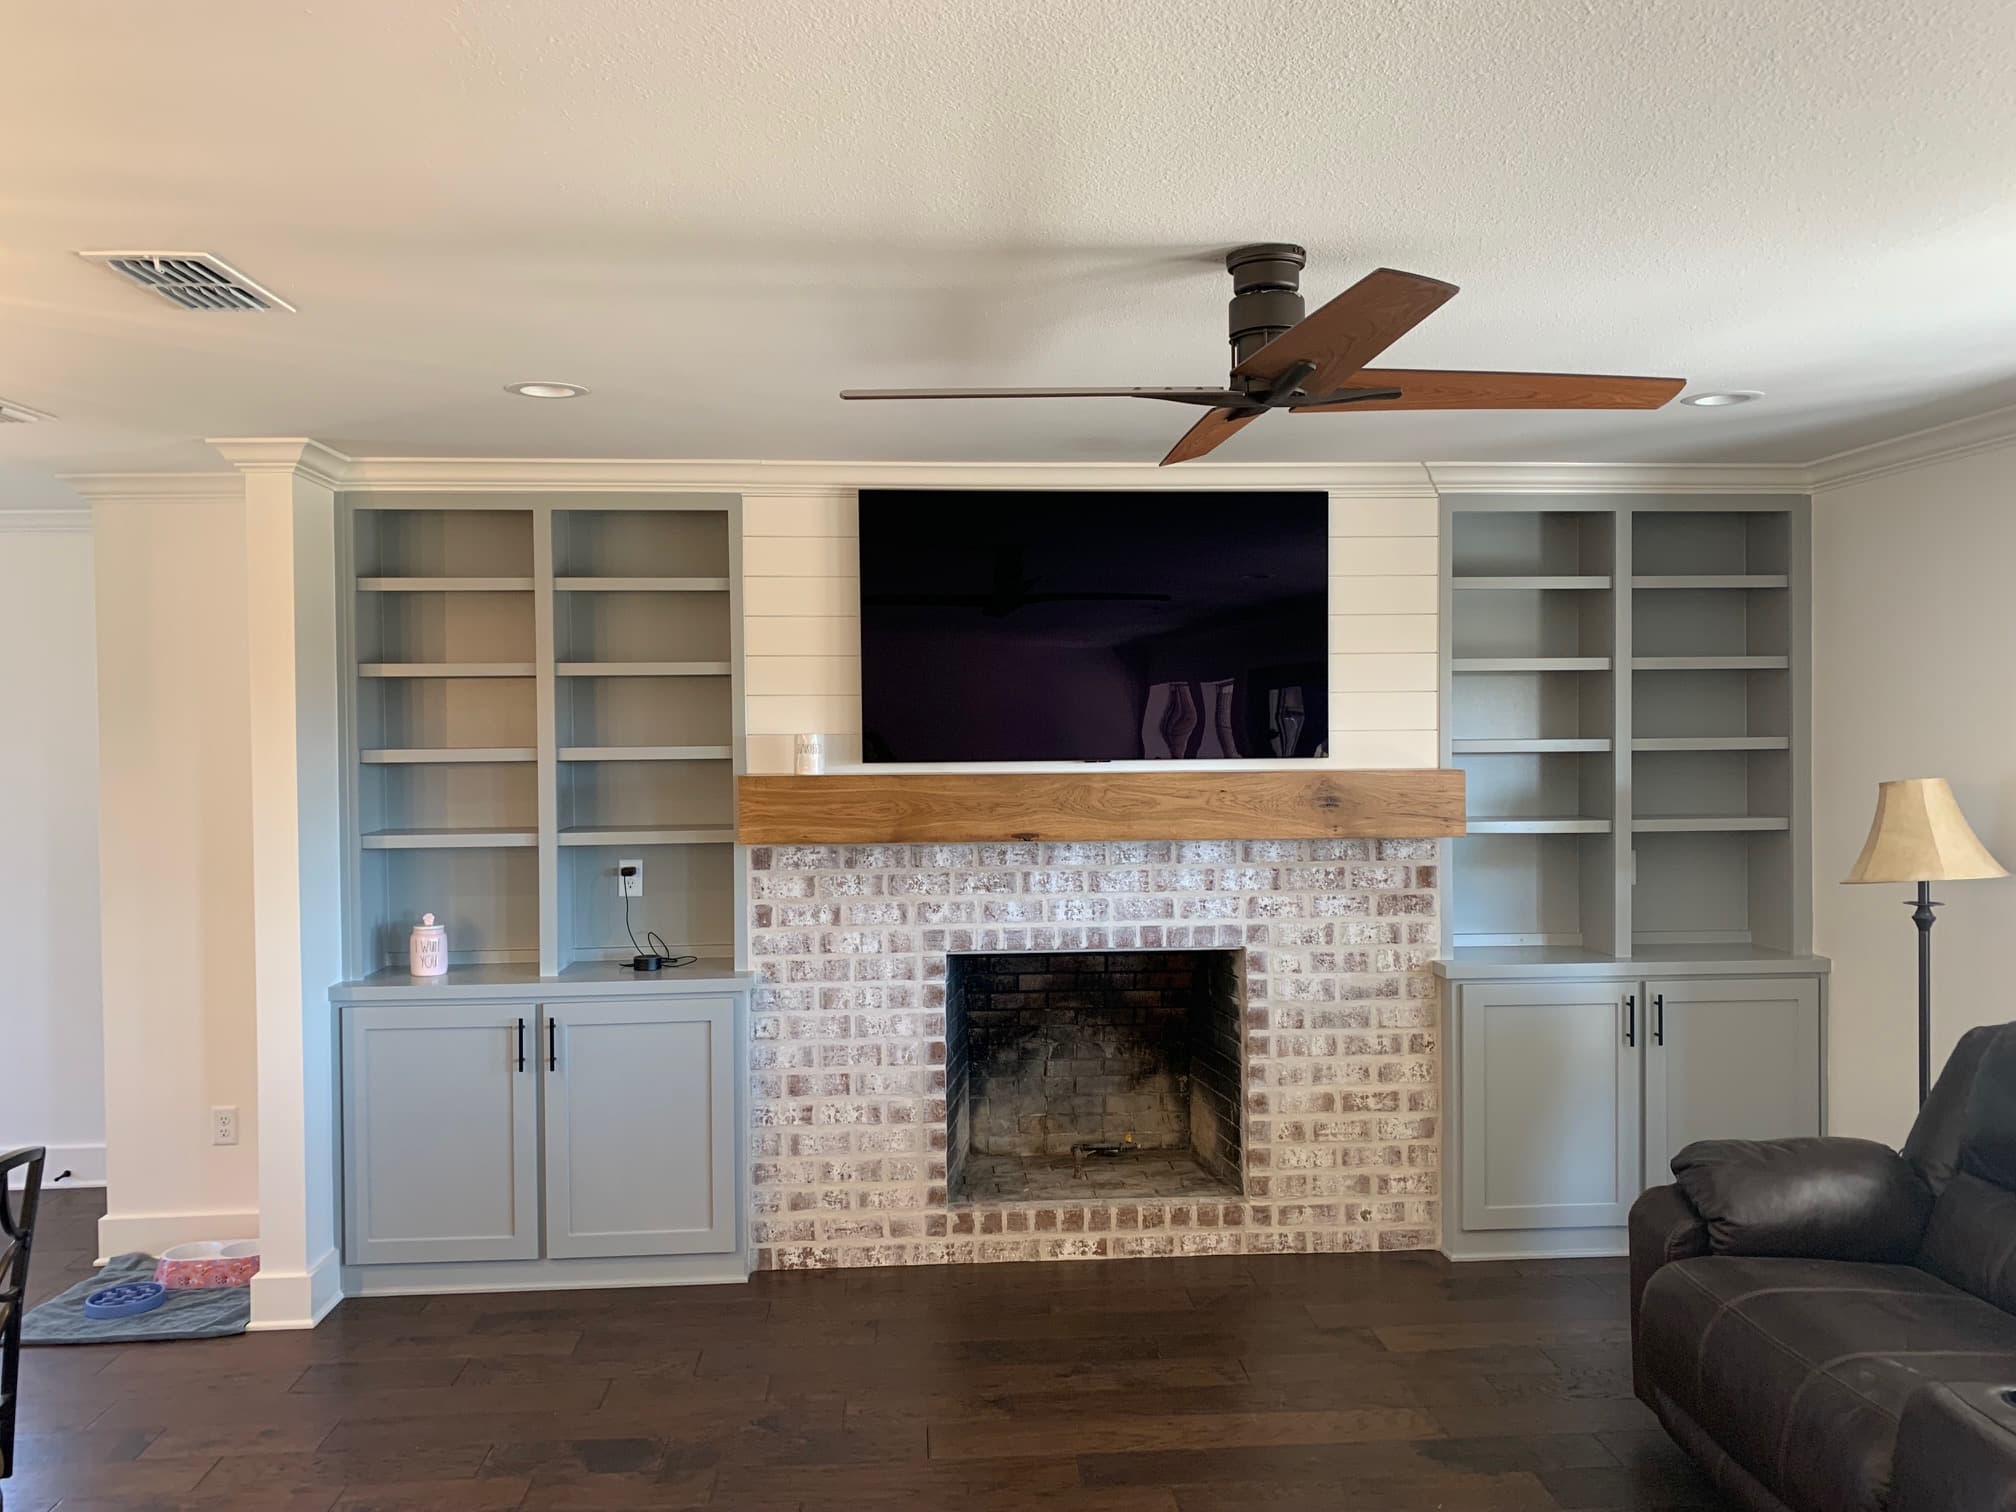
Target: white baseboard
(84, 1162)
(296, 1299)
(151, 1233)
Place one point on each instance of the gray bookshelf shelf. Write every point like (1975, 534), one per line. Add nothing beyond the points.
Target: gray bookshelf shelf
(448, 839)
(444, 585)
(448, 755)
(1584, 583)
(644, 669)
(1574, 744)
(1565, 824)
(1656, 796)
(1530, 664)
(544, 690)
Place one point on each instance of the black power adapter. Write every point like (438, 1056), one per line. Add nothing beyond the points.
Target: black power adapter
(658, 958)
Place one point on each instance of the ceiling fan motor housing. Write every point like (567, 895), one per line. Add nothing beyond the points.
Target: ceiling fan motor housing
(1266, 298)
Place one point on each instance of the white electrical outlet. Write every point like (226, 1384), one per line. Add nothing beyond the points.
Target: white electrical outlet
(224, 1126)
(631, 886)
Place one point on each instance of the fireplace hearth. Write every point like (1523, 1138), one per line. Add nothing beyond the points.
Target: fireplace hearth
(1093, 1074)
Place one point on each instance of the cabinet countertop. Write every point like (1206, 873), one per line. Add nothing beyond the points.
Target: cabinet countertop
(509, 981)
(1542, 962)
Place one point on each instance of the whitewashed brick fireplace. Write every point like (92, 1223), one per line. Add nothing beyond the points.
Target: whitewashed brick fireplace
(849, 1140)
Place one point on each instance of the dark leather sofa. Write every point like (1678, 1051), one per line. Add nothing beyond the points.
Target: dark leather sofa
(1828, 1324)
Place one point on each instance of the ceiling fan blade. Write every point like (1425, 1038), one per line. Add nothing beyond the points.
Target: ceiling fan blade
(1208, 434)
(1172, 395)
(1423, 389)
(1351, 330)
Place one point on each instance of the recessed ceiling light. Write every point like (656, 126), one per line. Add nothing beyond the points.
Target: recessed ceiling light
(545, 390)
(1716, 401)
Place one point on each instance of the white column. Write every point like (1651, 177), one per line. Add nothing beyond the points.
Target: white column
(294, 906)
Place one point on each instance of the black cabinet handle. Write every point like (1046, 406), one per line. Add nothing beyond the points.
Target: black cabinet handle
(1658, 1018)
(552, 1045)
(521, 1044)
(1631, 1019)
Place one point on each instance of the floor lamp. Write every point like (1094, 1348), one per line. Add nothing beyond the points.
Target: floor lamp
(1919, 835)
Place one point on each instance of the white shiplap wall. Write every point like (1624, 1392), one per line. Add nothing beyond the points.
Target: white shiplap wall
(802, 627)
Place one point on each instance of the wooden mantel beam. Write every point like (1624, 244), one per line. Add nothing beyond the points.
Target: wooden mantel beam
(865, 808)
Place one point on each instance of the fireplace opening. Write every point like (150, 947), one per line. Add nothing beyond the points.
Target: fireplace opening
(1087, 1076)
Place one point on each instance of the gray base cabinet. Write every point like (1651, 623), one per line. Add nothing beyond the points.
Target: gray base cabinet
(585, 1130)
(440, 1135)
(1728, 1060)
(1550, 1106)
(1567, 1098)
(625, 1083)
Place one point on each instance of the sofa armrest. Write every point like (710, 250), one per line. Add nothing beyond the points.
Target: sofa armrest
(1833, 1199)
(1956, 1447)
(1664, 1227)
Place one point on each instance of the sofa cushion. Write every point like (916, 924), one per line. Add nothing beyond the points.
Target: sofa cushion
(1800, 1368)
(1971, 1241)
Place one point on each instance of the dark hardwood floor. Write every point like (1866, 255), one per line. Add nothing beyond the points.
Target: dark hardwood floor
(1387, 1383)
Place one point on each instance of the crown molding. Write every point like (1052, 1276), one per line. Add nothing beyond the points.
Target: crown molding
(756, 478)
(157, 488)
(1618, 477)
(289, 454)
(43, 521)
(1940, 443)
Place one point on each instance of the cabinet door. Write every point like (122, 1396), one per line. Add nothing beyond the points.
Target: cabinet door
(1729, 1060)
(440, 1133)
(1550, 1104)
(640, 1127)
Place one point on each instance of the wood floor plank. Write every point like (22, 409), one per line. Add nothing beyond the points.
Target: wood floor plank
(1342, 1382)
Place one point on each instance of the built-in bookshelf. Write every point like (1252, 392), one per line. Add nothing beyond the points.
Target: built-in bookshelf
(1625, 686)
(545, 690)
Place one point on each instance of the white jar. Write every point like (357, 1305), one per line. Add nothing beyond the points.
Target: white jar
(809, 755)
(427, 950)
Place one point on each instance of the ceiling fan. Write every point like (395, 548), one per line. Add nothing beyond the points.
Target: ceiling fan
(1316, 365)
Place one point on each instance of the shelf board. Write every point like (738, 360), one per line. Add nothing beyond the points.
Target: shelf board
(626, 834)
(1679, 824)
(1713, 580)
(643, 669)
(426, 755)
(444, 585)
(640, 585)
(1569, 824)
(1711, 743)
(1510, 747)
(1710, 663)
(1489, 584)
(1529, 664)
(647, 753)
(449, 839)
(445, 669)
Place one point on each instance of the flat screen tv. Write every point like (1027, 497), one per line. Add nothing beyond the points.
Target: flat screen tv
(1093, 626)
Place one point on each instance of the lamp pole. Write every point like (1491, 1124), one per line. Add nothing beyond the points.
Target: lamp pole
(1924, 918)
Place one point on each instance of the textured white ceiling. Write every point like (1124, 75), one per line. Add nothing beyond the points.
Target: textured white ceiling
(718, 214)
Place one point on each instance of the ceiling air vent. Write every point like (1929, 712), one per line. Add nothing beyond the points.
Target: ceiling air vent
(19, 414)
(193, 280)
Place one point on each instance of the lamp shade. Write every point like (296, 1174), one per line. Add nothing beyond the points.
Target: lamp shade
(1920, 835)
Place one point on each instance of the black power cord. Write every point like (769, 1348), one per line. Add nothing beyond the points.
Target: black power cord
(660, 956)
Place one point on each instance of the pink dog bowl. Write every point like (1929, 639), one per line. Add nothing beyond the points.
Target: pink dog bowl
(208, 1263)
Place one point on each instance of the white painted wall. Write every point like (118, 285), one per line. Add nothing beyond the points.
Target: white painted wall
(175, 852)
(49, 1007)
(802, 627)
(1914, 675)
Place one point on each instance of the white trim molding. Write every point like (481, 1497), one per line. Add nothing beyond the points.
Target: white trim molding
(151, 1233)
(1942, 443)
(43, 521)
(296, 1299)
(157, 488)
(1617, 477)
(84, 1162)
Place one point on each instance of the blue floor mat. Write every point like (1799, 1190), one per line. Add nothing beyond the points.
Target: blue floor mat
(208, 1314)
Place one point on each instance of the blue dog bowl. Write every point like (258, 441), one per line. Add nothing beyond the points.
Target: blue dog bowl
(127, 1301)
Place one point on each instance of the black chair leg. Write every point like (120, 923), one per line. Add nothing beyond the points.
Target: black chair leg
(17, 1239)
